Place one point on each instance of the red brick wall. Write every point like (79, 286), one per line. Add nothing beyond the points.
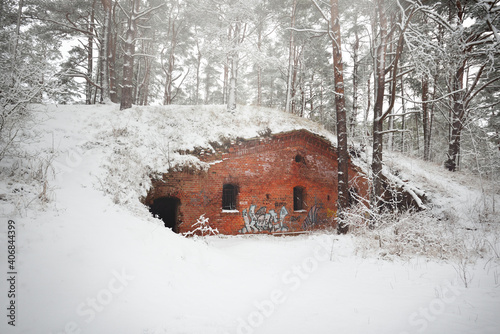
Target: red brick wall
(265, 172)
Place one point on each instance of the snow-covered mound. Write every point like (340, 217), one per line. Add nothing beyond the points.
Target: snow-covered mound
(89, 258)
(146, 140)
(462, 198)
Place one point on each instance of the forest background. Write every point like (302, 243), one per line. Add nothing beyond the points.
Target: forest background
(424, 75)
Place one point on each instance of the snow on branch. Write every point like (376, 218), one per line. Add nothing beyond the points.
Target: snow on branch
(416, 194)
(201, 228)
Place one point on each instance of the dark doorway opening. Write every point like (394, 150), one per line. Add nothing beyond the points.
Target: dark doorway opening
(167, 209)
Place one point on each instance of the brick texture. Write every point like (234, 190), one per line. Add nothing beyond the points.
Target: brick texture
(265, 172)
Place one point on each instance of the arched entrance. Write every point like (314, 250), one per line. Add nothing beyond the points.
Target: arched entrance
(167, 209)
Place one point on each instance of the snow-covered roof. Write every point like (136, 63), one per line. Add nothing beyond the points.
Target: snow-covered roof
(159, 133)
(155, 139)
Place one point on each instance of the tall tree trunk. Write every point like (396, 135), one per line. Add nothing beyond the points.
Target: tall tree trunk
(113, 37)
(426, 117)
(302, 83)
(390, 135)
(107, 5)
(354, 113)
(208, 82)
(113, 89)
(233, 63)
(291, 56)
(169, 69)
(198, 68)
(311, 93)
(378, 114)
(231, 100)
(259, 68)
(225, 83)
(169, 72)
(457, 113)
(431, 114)
(343, 155)
(380, 58)
(368, 103)
(417, 134)
(18, 31)
(321, 111)
(271, 92)
(294, 83)
(198, 79)
(403, 117)
(128, 57)
(137, 76)
(90, 55)
(144, 86)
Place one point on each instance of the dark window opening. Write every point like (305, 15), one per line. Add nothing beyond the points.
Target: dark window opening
(167, 209)
(298, 158)
(298, 198)
(229, 193)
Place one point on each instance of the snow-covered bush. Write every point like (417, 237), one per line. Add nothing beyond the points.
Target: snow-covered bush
(24, 80)
(127, 177)
(201, 228)
(406, 234)
(29, 184)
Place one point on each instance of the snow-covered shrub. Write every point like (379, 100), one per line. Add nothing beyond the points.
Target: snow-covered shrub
(29, 180)
(201, 228)
(25, 79)
(405, 234)
(127, 178)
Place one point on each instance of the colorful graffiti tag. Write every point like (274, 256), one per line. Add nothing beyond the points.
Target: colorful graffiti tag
(269, 221)
(316, 216)
(262, 220)
(312, 218)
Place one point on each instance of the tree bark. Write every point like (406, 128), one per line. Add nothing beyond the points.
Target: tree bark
(457, 114)
(426, 117)
(403, 117)
(354, 113)
(291, 57)
(381, 51)
(113, 89)
(343, 155)
(90, 55)
(144, 86)
(18, 31)
(259, 68)
(128, 57)
(233, 68)
(198, 67)
(107, 5)
(169, 69)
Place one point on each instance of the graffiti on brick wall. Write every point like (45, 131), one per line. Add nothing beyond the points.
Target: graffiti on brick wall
(270, 221)
(262, 220)
(312, 218)
(315, 217)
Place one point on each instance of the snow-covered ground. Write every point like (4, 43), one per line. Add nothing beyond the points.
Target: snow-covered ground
(90, 259)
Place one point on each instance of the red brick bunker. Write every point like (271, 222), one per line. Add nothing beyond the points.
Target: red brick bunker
(286, 182)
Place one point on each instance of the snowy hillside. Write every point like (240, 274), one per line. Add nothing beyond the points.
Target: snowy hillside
(89, 258)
